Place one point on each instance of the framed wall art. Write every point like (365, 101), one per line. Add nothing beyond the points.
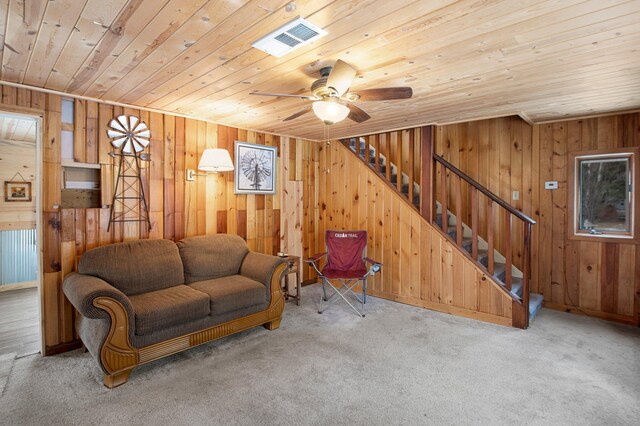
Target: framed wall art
(17, 191)
(255, 168)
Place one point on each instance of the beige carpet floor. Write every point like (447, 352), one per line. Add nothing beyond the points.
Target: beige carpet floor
(6, 365)
(399, 365)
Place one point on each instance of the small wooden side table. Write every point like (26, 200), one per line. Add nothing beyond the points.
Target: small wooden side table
(293, 267)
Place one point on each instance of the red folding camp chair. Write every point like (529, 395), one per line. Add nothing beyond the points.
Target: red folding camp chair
(346, 265)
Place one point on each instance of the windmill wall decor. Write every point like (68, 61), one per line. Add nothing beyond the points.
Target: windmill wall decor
(255, 168)
(131, 136)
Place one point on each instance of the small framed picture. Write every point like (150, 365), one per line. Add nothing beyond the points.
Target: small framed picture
(255, 168)
(17, 191)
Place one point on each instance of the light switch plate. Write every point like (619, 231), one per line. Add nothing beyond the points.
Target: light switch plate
(516, 195)
(551, 184)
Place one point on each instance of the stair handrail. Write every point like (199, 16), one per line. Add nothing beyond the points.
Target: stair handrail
(427, 196)
(520, 306)
(517, 213)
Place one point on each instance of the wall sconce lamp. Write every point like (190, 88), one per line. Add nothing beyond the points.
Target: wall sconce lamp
(213, 160)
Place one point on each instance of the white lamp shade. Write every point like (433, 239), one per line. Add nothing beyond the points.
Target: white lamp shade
(330, 112)
(215, 160)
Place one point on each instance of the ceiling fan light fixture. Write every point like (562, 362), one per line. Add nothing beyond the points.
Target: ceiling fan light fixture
(330, 112)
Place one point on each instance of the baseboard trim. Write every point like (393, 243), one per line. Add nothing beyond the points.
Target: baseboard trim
(309, 282)
(62, 348)
(447, 309)
(623, 319)
(18, 286)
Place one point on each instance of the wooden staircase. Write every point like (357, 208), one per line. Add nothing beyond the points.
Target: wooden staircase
(431, 184)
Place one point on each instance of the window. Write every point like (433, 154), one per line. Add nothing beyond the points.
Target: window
(602, 194)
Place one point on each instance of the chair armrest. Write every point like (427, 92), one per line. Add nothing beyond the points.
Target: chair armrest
(260, 267)
(375, 266)
(82, 290)
(315, 257)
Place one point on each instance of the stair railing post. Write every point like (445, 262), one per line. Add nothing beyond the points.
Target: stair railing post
(385, 146)
(490, 254)
(445, 196)
(411, 171)
(508, 251)
(428, 175)
(458, 190)
(526, 271)
(474, 223)
(399, 161)
(376, 149)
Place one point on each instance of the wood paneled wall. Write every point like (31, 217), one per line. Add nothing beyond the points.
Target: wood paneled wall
(421, 267)
(496, 153)
(17, 156)
(507, 154)
(269, 223)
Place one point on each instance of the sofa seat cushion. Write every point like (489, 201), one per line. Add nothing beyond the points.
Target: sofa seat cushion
(160, 309)
(232, 293)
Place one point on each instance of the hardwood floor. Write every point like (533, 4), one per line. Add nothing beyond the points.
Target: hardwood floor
(19, 322)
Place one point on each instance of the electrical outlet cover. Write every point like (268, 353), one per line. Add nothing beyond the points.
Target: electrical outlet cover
(551, 185)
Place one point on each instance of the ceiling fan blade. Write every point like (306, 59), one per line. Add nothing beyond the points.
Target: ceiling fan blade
(282, 95)
(341, 77)
(298, 114)
(358, 115)
(384, 94)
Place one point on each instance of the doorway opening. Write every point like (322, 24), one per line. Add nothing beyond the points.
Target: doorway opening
(20, 235)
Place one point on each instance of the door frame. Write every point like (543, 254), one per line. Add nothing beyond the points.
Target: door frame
(37, 116)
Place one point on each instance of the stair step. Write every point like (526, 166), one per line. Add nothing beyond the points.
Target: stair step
(498, 270)
(439, 219)
(535, 304)
(483, 255)
(467, 242)
(516, 286)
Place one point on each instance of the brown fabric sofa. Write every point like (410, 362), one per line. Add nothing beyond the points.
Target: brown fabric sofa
(142, 300)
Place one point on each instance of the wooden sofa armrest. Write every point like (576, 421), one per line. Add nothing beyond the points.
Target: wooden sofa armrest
(276, 300)
(97, 299)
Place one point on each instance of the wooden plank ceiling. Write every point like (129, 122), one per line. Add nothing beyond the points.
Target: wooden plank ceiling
(13, 129)
(465, 59)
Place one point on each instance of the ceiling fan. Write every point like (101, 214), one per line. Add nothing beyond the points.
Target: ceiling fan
(332, 100)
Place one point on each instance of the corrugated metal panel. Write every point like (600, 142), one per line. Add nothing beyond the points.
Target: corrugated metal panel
(18, 260)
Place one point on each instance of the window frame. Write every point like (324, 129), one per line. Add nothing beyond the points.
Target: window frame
(573, 193)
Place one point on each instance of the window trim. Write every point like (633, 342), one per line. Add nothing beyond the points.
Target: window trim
(573, 191)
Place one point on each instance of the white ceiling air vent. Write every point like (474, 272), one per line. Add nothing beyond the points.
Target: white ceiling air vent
(289, 37)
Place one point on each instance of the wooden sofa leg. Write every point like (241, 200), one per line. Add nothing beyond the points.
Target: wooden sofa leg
(114, 380)
(273, 324)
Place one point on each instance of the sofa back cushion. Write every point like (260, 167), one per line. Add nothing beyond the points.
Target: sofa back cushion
(135, 267)
(211, 256)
